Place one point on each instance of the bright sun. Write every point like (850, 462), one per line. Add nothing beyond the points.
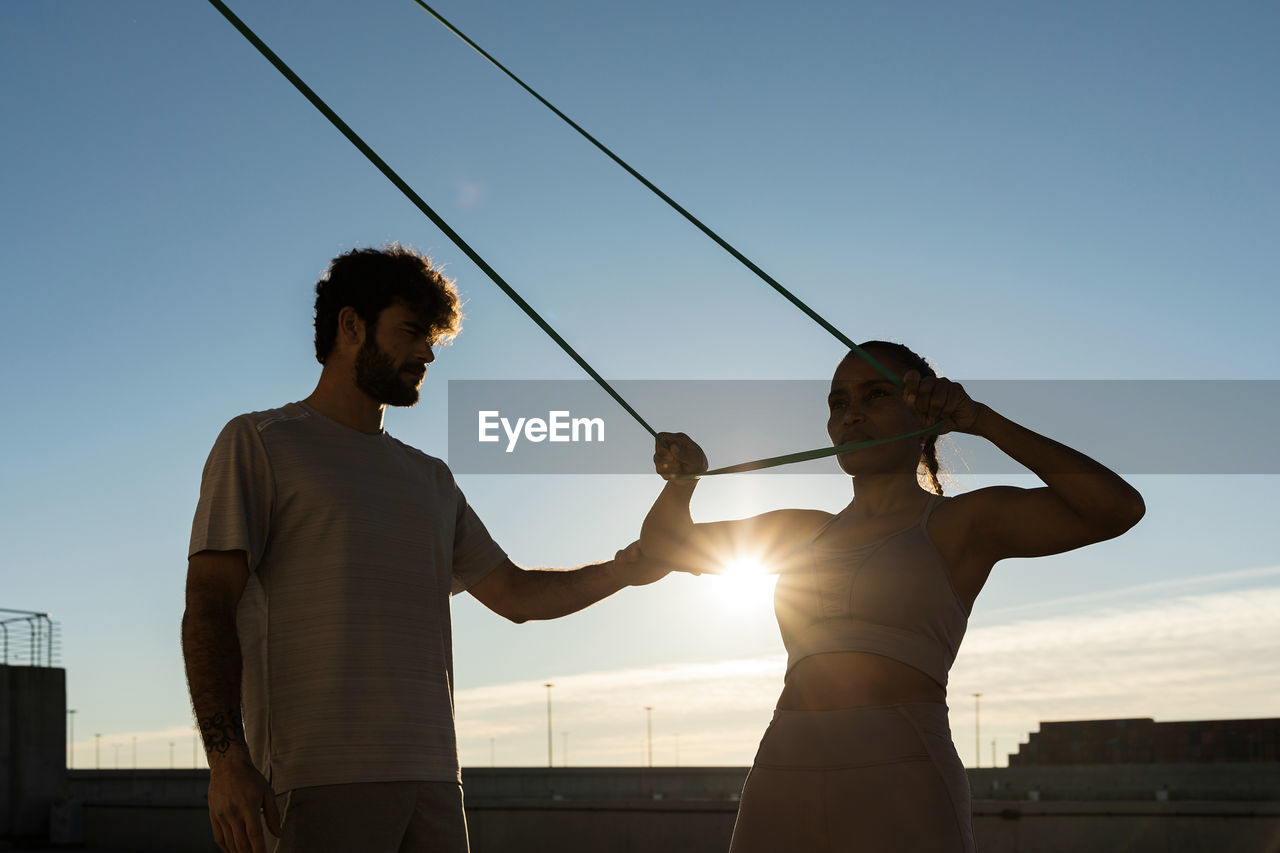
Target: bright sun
(745, 582)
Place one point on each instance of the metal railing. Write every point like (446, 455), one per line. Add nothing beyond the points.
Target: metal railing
(28, 638)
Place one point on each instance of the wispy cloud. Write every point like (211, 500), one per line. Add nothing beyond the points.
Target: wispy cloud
(172, 733)
(714, 711)
(711, 711)
(1146, 591)
(1189, 656)
(172, 746)
(1198, 648)
(1179, 657)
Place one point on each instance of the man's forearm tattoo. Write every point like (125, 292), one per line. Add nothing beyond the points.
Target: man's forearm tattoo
(221, 731)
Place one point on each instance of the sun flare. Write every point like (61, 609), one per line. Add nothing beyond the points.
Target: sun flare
(745, 581)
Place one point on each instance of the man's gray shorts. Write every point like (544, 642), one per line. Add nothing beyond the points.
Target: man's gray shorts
(372, 817)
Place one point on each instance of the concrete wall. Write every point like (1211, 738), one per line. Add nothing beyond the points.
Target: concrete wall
(1086, 783)
(1165, 827)
(603, 783)
(999, 827)
(686, 810)
(33, 746)
(655, 827)
(1221, 782)
(601, 827)
(140, 787)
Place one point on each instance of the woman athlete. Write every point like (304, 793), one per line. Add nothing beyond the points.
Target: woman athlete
(872, 603)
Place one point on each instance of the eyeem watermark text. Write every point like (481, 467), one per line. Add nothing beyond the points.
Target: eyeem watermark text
(559, 426)
(1132, 426)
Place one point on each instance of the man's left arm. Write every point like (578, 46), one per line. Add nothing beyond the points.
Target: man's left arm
(523, 594)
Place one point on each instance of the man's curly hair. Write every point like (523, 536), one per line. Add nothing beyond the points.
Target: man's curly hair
(370, 280)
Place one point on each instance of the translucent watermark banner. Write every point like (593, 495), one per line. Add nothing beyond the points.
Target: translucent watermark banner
(1132, 426)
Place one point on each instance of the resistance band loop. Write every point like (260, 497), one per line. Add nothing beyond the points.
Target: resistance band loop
(697, 223)
(426, 209)
(806, 455)
(722, 243)
(422, 205)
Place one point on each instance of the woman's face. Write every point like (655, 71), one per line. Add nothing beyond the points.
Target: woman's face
(863, 406)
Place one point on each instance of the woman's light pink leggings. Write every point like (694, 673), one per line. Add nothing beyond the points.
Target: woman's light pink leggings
(885, 778)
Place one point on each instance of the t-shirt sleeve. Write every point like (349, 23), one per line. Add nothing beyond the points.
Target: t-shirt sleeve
(236, 492)
(475, 554)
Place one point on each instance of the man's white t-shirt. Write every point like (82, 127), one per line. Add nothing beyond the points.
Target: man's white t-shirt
(355, 544)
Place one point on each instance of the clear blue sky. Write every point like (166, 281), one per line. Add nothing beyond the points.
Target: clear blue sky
(1031, 191)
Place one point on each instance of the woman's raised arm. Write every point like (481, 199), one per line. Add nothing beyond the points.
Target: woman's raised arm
(1082, 502)
(670, 536)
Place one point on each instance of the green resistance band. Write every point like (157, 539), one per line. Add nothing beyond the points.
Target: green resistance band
(806, 455)
(705, 229)
(672, 203)
(515, 297)
(418, 202)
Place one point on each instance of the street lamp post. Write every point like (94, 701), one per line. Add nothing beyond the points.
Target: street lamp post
(549, 686)
(71, 740)
(977, 728)
(648, 711)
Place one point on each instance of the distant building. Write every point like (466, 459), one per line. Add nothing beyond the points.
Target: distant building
(1144, 741)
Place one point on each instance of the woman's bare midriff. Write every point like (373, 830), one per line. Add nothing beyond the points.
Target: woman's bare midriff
(836, 680)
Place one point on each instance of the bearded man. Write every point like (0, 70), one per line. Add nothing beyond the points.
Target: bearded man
(323, 556)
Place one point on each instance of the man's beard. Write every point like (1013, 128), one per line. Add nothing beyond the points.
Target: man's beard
(378, 376)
